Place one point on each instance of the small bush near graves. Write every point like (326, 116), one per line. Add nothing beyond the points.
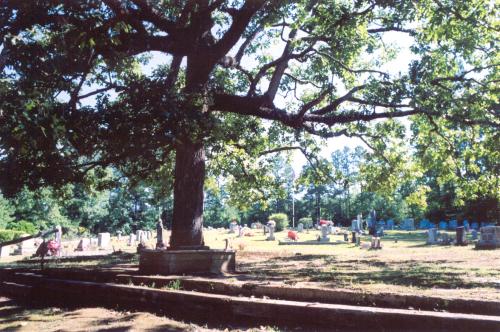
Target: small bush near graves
(281, 220)
(22, 226)
(306, 221)
(8, 234)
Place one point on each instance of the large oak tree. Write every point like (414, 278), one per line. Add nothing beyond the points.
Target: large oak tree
(75, 99)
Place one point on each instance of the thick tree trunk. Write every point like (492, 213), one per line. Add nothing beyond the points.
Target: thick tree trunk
(188, 197)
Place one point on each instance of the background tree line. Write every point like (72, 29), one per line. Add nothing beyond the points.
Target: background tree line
(393, 175)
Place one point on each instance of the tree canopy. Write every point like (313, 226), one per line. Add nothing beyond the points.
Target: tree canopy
(76, 97)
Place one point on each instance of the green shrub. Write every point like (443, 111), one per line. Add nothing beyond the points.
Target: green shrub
(8, 234)
(23, 226)
(281, 220)
(306, 221)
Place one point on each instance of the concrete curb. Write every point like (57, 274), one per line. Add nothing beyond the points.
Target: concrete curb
(243, 309)
(307, 294)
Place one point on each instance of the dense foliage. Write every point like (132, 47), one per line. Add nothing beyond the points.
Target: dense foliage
(347, 186)
(81, 97)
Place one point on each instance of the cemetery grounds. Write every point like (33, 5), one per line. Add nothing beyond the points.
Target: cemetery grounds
(405, 265)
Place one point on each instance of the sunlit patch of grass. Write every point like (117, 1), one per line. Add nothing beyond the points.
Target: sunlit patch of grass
(405, 264)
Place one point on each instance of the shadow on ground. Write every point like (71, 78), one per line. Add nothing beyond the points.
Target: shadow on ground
(339, 273)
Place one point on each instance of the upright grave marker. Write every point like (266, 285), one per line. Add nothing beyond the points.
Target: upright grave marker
(160, 244)
(4, 251)
(271, 233)
(490, 238)
(324, 234)
(131, 240)
(103, 240)
(432, 236)
(83, 244)
(460, 233)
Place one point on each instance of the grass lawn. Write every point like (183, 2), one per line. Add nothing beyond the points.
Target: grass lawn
(405, 265)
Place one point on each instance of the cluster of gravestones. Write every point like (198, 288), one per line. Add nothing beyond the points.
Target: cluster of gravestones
(356, 239)
(489, 237)
(256, 225)
(409, 224)
(376, 230)
(234, 228)
(102, 241)
(452, 224)
(293, 235)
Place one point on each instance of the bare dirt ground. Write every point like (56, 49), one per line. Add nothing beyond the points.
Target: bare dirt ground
(14, 317)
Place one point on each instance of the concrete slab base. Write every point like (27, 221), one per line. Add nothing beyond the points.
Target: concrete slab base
(487, 245)
(186, 261)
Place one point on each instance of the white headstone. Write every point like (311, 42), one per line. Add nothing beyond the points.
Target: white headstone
(271, 233)
(331, 229)
(4, 251)
(103, 240)
(27, 247)
(131, 240)
(300, 228)
(375, 243)
(324, 234)
(59, 234)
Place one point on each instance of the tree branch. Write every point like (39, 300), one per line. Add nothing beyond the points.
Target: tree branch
(95, 92)
(356, 116)
(244, 45)
(148, 13)
(333, 105)
(173, 72)
(387, 29)
(240, 21)
(281, 67)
